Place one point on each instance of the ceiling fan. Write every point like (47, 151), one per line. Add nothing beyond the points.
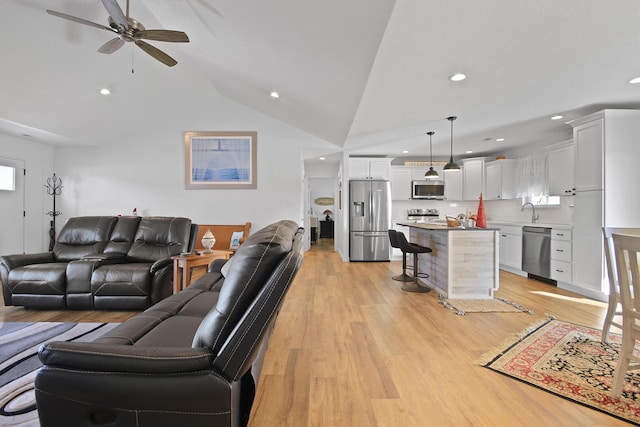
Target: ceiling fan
(128, 29)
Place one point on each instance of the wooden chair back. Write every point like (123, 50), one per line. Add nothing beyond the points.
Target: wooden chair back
(614, 310)
(222, 234)
(626, 249)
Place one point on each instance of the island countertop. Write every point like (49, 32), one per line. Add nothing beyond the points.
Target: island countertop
(463, 262)
(442, 227)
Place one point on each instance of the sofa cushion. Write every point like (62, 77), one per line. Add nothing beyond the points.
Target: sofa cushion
(122, 236)
(131, 279)
(83, 236)
(44, 279)
(159, 238)
(253, 263)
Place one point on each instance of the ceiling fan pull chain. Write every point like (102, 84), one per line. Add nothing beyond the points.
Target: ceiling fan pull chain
(133, 54)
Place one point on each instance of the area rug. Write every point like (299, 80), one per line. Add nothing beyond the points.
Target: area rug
(496, 305)
(569, 361)
(19, 363)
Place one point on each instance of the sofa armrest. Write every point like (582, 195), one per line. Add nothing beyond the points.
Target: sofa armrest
(111, 257)
(15, 261)
(216, 265)
(125, 358)
(159, 264)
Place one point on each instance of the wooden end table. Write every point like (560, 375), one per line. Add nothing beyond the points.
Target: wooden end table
(184, 265)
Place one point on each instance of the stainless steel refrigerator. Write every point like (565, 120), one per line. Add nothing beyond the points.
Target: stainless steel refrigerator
(370, 219)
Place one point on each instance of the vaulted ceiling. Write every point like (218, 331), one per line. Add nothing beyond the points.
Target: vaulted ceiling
(370, 77)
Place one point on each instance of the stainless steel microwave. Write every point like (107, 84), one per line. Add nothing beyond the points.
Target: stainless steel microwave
(427, 189)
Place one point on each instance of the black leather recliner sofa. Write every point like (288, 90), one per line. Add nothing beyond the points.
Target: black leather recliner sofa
(193, 359)
(100, 262)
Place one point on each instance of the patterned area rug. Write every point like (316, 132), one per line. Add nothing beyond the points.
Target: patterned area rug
(496, 305)
(569, 361)
(19, 363)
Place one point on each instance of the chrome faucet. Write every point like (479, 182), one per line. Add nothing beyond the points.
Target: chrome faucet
(534, 217)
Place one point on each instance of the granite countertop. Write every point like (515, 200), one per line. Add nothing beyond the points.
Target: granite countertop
(443, 227)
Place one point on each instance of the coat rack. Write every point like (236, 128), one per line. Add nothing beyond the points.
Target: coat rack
(54, 188)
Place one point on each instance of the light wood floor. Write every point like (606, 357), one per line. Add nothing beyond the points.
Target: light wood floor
(352, 349)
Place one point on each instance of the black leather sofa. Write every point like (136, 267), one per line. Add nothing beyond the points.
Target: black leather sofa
(193, 359)
(100, 262)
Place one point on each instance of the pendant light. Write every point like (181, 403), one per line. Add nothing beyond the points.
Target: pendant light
(430, 174)
(451, 166)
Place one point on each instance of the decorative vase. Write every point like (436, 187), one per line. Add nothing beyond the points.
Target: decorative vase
(481, 220)
(208, 240)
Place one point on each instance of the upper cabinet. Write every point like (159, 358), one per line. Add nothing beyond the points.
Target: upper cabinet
(401, 177)
(473, 178)
(561, 170)
(589, 139)
(500, 177)
(453, 185)
(400, 183)
(369, 168)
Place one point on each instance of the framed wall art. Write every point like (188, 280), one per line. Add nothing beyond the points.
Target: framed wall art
(221, 160)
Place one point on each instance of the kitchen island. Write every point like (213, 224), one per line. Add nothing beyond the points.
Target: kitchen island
(463, 263)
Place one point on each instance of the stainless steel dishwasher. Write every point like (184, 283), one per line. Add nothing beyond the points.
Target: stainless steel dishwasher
(536, 251)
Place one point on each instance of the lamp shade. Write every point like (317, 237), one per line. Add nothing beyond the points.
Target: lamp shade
(451, 166)
(431, 173)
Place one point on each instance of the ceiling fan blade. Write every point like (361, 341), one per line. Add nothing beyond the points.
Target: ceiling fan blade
(156, 53)
(111, 46)
(79, 20)
(163, 36)
(116, 13)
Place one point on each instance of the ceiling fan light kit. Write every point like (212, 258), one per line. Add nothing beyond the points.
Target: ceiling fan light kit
(128, 29)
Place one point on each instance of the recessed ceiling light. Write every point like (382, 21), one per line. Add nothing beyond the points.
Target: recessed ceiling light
(275, 94)
(457, 77)
(558, 117)
(405, 151)
(323, 158)
(634, 80)
(499, 139)
(469, 151)
(105, 91)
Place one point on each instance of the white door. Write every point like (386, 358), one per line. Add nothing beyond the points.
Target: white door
(12, 211)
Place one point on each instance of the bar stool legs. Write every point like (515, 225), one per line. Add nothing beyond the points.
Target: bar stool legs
(404, 277)
(407, 247)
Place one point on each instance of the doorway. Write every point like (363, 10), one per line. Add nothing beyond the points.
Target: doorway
(12, 228)
(322, 210)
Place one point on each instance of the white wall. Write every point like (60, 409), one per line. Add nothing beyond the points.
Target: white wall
(147, 170)
(38, 160)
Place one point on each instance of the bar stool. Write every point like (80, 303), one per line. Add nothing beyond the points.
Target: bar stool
(412, 248)
(404, 277)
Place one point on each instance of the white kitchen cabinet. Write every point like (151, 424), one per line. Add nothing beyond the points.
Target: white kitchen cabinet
(473, 178)
(589, 139)
(400, 183)
(606, 167)
(561, 255)
(510, 247)
(453, 183)
(561, 170)
(500, 175)
(369, 168)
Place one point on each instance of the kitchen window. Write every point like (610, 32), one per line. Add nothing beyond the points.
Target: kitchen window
(531, 181)
(542, 200)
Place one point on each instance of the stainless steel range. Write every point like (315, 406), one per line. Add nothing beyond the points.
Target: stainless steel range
(422, 215)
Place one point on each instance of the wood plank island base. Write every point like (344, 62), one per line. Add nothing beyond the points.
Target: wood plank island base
(463, 263)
